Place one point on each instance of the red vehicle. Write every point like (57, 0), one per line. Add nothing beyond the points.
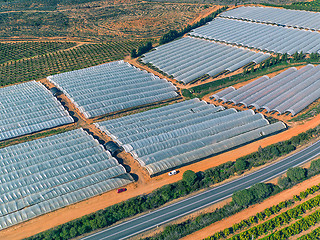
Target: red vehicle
(120, 190)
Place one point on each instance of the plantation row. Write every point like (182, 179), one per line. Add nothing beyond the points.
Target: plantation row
(285, 218)
(315, 234)
(297, 227)
(52, 63)
(267, 213)
(18, 50)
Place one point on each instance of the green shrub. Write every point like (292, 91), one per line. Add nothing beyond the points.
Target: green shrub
(284, 182)
(189, 177)
(241, 164)
(243, 197)
(297, 174)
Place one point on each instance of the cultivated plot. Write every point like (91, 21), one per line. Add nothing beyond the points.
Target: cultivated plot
(175, 135)
(43, 175)
(260, 36)
(189, 58)
(29, 107)
(284, 17)
(112, 87)
(290, 91)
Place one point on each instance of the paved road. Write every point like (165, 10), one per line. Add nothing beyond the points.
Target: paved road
(194, 203)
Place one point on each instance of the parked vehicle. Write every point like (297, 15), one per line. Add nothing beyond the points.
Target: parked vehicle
(120, 190)
(173, 172)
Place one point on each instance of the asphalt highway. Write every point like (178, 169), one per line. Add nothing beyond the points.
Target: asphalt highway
(176, 210)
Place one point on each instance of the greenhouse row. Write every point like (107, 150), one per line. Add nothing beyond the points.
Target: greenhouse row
(112, 87)
(290, 91)
(189, 58)
(260, 36)
(53, 172)
(29, 107)
(284, 17)
(184, 132)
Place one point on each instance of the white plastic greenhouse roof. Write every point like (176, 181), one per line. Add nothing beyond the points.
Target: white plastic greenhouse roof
(290, 91)
(112, 87)
(285, 17)
(29, 107)
(190, 58)
(180, 133)
(43, 175)
(260, 36)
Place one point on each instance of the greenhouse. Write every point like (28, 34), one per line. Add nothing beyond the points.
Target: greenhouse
(27, 108)
(184, 132)
(190, 58)
(260, 36)
(284, 17)
(112, 87)
(46, 174)
(290, 91)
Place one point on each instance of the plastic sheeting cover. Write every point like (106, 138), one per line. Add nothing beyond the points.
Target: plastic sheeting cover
(290, 91)
(112, 87)
(190, 58)
(46, 174)
(180, 133)
(29, 107)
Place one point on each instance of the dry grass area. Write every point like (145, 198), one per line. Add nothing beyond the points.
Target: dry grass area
(100, 20)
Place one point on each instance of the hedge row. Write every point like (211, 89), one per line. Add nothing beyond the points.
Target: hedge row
(281, 219)
(261, 191)
(267, 213)
(261, 157)
(297, 227)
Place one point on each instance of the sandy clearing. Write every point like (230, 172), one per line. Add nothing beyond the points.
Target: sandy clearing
(253, 210)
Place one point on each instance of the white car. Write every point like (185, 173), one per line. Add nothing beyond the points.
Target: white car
(174, 172)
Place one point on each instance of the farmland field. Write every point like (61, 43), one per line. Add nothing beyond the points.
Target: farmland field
(54, 62)
(15, 51)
